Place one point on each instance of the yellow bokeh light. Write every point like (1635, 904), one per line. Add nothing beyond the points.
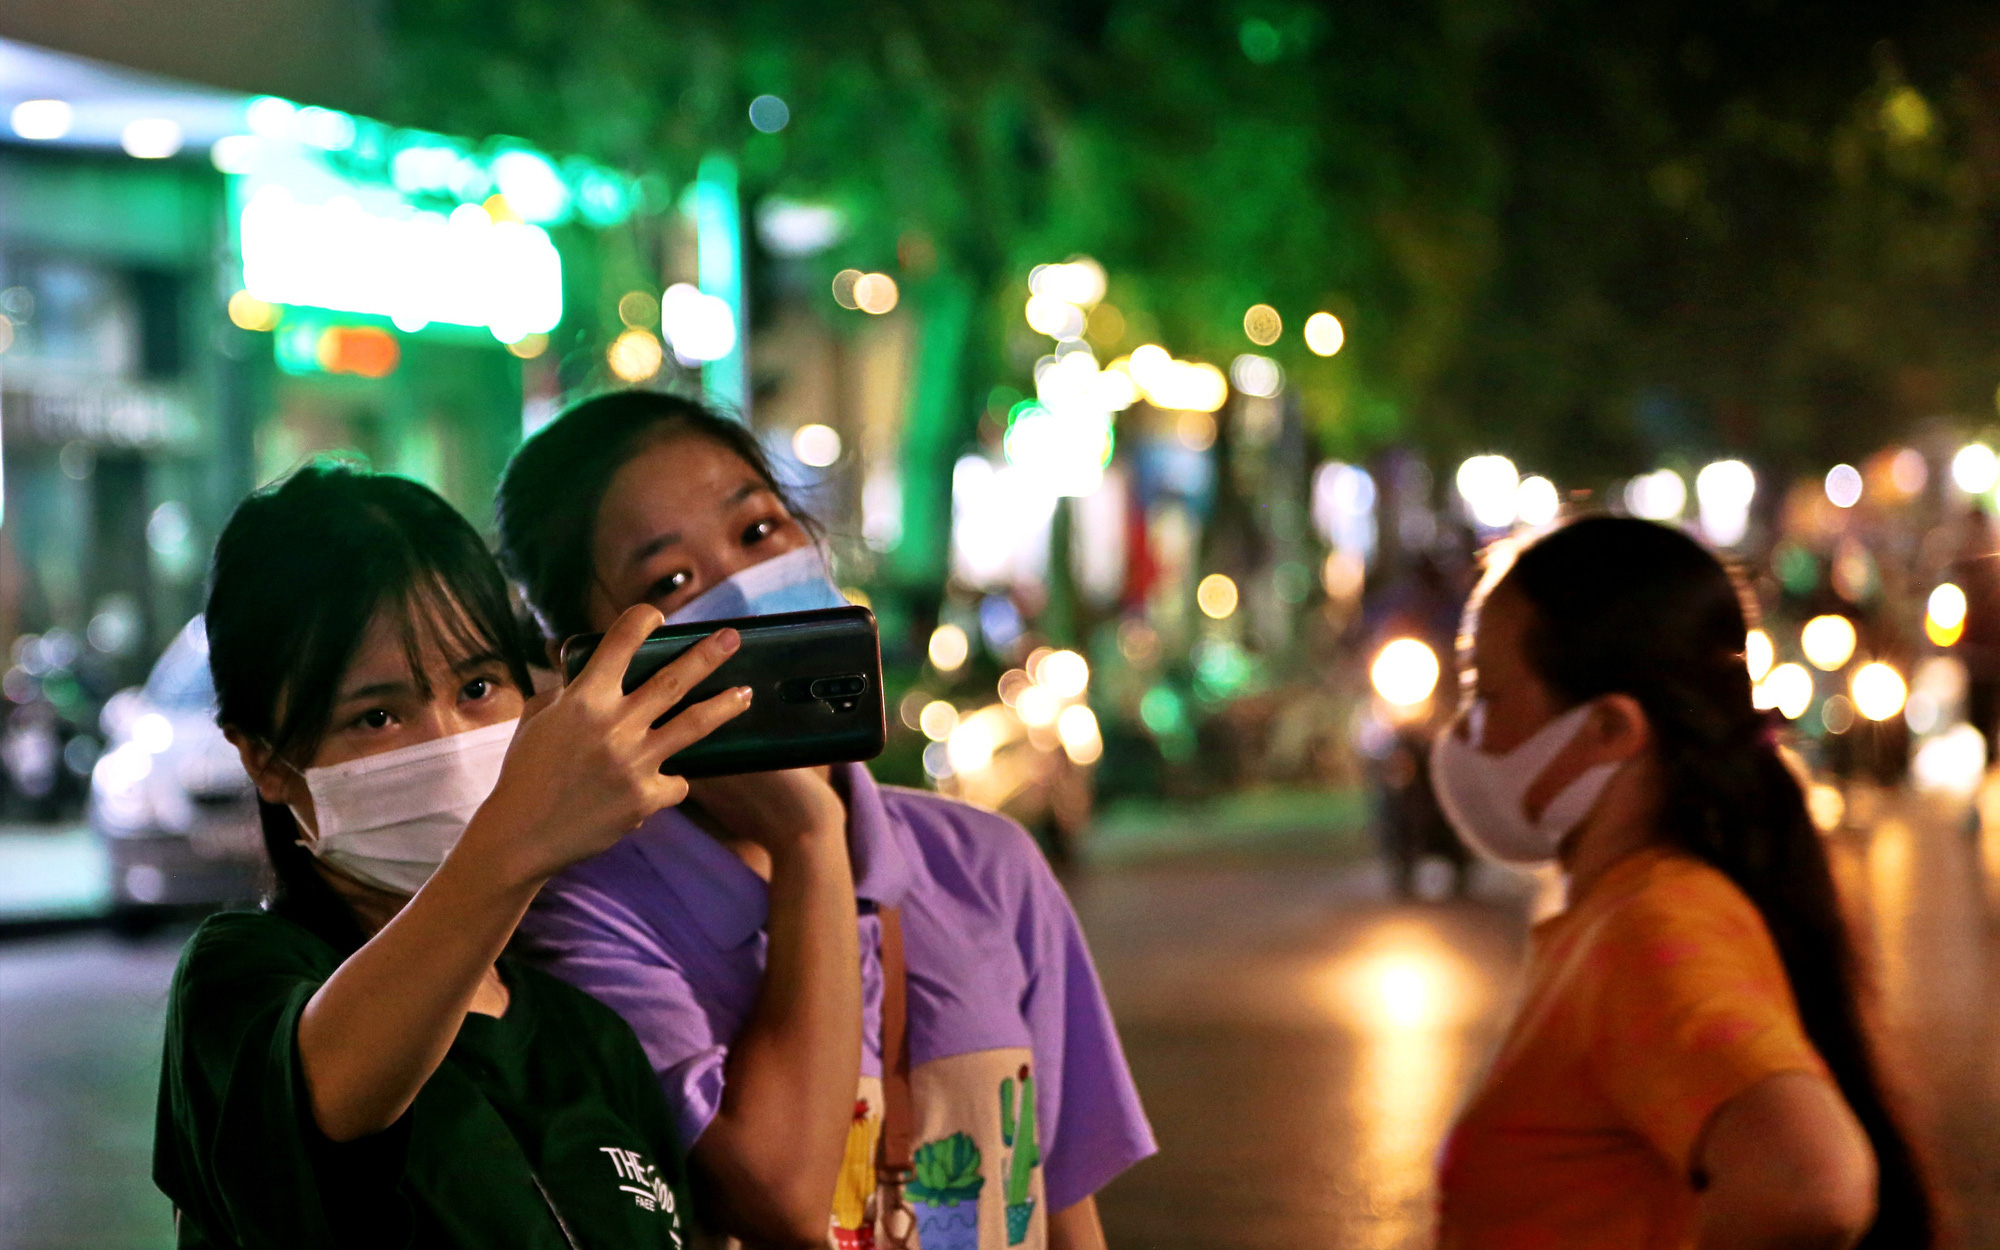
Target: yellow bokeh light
(1216, 596)
(1757, 654)
(1038, 707)
(251, 313)
(1879, 691)
(639, 309)
(1065, 673)
(1788, 687)
(875, 293)
(937, 720)
(1405, 672)
(1262, 325)
(530, 346)
(949, 647)
(634, 356)
(1195, 430)
(1077, 730)
(1946, 606)
(1828, 641)
(1325, 336)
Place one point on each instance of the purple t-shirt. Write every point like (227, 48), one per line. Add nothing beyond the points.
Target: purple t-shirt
(667, 927)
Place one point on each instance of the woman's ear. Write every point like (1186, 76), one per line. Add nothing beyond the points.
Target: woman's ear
(257, 761)
(1624, 730)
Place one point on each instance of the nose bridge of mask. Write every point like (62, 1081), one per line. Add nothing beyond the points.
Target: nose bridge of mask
(436, 776)
(793, 582)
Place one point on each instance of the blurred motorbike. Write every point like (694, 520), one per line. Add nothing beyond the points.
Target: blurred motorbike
(1407, 712)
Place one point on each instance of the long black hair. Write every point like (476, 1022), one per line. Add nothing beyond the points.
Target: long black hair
(552, 489)
(300, 571)
(1630, 607)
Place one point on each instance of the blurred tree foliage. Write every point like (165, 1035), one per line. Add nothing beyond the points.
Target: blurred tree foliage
(1764, 228)
(1594, 235)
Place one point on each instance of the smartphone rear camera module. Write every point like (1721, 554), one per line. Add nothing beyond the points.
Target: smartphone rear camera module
(842, 693)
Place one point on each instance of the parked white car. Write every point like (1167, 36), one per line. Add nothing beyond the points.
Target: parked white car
(169, 795)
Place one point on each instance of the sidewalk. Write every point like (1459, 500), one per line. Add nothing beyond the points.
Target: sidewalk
(52, 873)
(1320, 824)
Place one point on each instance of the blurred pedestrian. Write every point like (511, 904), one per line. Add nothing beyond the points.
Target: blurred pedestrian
(836, 980)
(355, 1066)
(1976, 569)
(1689, 1064)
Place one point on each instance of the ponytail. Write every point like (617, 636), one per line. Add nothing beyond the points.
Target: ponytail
(1627, 606)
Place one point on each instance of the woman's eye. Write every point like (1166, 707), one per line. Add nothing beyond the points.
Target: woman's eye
(374, 718)
(477, 689)
(759, 531)
(667, 585)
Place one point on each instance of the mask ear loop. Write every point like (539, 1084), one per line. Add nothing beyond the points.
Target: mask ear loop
(311, 845)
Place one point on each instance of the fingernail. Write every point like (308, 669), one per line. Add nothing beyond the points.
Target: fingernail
(729, 640)
(743, 693)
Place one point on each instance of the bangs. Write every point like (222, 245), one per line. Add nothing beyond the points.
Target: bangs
(429, 618)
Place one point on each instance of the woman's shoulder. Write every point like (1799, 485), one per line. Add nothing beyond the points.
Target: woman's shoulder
(979, 840)
(1672, 897)
(253, 941)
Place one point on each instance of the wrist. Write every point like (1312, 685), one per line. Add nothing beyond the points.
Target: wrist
(822, 841)
(500, 856)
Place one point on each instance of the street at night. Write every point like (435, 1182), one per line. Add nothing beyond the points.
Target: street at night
(1300, 1041)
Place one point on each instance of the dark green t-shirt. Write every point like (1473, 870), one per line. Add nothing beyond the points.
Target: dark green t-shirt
(543, 1129)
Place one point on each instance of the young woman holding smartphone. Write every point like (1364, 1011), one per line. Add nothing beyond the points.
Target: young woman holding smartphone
(358, 1064)
(763, 939)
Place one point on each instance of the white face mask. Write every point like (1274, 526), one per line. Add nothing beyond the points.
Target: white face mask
(794, 582)
(390, 819)
(1484, 796)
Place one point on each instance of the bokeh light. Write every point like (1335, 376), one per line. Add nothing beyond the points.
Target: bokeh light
(1405, 672)
(1828, 641)
(937, 719)
(1975, 468)
(1262, 325)
(1490, 486)
(1788, 688)
(1216, 596)
(1878, 691)
(875, 293)
(1758, 654)
(1077, 729)
(1536, 501)
(769, 114)
(1843, 486)
(251, 313)
(1064, 673)
(1944, 615)
(1324, 334)
(1657, 496)
(816, 445)
(42, 120)
(1723, 493)
(949, 647)
(634, 356)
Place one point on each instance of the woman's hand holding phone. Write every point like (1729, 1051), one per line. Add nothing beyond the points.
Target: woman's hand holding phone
(584, 767)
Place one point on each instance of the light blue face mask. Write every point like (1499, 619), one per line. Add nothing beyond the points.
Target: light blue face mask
(794, 582)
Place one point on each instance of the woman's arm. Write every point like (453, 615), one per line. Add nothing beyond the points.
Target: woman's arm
(1786, 1165)
(770, 1156)
(582, 772)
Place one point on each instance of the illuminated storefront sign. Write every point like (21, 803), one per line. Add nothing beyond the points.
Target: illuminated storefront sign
(345, 214)
(414, 268)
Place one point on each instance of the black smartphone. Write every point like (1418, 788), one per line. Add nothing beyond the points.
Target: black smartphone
(816, 689)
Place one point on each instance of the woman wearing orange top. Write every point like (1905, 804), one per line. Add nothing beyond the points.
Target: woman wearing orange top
(1688, 1066)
